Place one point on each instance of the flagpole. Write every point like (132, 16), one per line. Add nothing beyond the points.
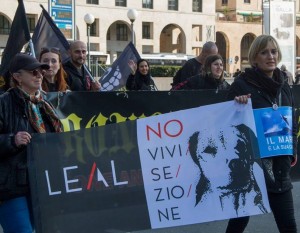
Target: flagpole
(89, 73)
(32, 48)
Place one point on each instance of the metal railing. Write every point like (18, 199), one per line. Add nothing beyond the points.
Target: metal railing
(97, 69)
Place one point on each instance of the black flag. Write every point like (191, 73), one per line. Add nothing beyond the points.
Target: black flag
(19, 35)
(116, 76)
(47, 34)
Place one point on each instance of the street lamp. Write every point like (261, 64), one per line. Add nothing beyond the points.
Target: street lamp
(89, 20)
(132, 15)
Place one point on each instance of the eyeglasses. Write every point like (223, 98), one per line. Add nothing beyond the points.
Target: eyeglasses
(52, 50)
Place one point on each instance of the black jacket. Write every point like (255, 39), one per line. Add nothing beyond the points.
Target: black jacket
(139, 82)
(75, 80)
(13, 160)
(276, 169)
(206, 82)
(191, 68)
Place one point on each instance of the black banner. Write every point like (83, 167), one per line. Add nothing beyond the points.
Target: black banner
(90, 179)
(81, 188)
(89, 109)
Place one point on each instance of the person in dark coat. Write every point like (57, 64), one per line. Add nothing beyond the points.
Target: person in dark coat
(268, 88)
(23, 111)
(289, 76)
(78, 78)
(297, 78)
(212, 76)
(140, 78)
(194, 66)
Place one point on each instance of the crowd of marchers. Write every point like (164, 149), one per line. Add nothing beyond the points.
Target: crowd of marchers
(24, 111)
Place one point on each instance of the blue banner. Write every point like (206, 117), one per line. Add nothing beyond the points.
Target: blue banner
(274, 131)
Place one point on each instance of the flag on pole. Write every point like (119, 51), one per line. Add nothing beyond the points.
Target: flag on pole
(47, 34)
(116, 76)
(19, 35)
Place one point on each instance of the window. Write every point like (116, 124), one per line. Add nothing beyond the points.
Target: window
(197, 5)
(31, 22)
(146, 30)
(121, 3)
(96, 2)
(173, 5)
(94, 28)
(247, 1)
(4, 25)
(94, 46)
(148, 4)
(224, 2)
(122, 33)
(197, 32)
(147, 49)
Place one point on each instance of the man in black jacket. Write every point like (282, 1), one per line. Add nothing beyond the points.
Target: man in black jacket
(194, 66)
(78, 78)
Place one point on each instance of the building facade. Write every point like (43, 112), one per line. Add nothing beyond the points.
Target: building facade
(238, 23)
(168, 26)
(161, 26)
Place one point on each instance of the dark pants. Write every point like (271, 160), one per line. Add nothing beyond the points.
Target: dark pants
(282, 207)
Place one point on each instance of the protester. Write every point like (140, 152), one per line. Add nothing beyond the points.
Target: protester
(23, 111)
(140, 77)
(212, 76)
(289, 76)
(55, 77)
(78, 78)
(5, 82)
(237, 73)
(266, 86)
(193, 66)
(297, 77)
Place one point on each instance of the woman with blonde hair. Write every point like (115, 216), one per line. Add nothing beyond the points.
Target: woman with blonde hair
(267, 86)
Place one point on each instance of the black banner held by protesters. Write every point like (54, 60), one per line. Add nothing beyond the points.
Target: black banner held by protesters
(19, 35)
(47, 34)
(75, 109)
(97, 185)
(116, 76)
(92, 178)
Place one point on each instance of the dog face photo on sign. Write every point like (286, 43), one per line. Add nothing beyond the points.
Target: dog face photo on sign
(226, 162)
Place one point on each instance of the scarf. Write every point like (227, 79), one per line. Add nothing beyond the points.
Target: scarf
(141, 79)
(212, 82)
(35, 103)
(271, 86)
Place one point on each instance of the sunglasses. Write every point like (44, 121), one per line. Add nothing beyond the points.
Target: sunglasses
(52, 50)
(36, 72)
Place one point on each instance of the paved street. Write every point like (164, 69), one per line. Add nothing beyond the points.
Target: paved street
(258, 224)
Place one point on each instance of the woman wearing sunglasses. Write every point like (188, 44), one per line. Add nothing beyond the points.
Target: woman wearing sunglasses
(23, 111)
(55, 76)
